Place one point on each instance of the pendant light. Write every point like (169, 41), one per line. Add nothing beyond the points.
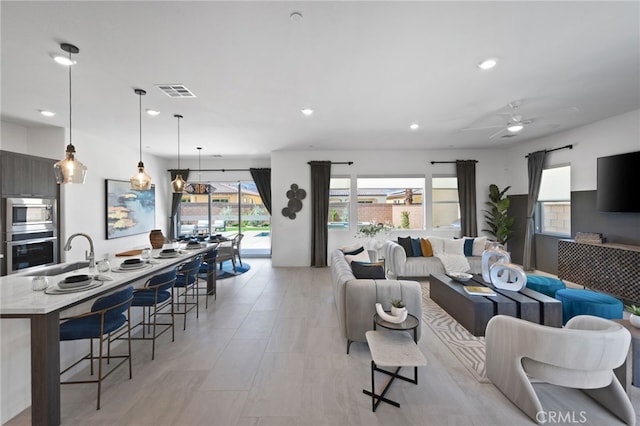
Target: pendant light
(178, 183)
(140, 181)
(200, 188)
(70, 170)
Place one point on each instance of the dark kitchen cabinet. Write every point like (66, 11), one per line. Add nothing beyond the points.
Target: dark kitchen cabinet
(26, 175)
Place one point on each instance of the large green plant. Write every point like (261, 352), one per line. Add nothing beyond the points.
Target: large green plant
(497, 217)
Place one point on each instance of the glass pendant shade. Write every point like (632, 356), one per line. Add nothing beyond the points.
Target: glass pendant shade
(178, 184)
(70, 170)
(140, 181)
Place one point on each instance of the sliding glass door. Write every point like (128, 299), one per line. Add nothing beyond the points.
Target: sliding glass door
(227, 208)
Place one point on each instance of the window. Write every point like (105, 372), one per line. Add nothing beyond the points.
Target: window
(392, 201)
(445, 206)
(553, 211)
(339, 198)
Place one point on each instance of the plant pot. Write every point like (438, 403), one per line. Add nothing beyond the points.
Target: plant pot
(635, 320)
(396, 312)
(156, 238)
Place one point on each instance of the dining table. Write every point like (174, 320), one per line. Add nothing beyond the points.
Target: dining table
(43, 308)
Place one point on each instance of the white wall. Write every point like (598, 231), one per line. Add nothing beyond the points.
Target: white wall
(615, 135)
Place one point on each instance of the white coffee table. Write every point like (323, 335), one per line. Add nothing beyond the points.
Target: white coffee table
(391, 349)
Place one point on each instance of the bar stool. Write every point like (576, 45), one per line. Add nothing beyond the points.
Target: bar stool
(155, 296)
(208, 269)
(107, 316)
(187, 279)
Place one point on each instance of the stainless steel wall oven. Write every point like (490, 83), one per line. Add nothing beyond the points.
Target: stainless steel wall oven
(31, 236)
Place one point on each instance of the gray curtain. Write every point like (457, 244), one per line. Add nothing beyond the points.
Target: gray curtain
(262, 179)
(320, 180)
(466, 173)
(175, 204)
(535, 164)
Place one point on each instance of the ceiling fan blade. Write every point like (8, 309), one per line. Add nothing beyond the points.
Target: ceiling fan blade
(483, 128)
(498, 132)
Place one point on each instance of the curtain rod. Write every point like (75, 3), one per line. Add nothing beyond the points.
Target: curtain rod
(212, 170)
(452, 162)
(551, 150)
(338, 162)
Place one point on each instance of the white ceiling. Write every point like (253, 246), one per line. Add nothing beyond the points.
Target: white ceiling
(369, 69)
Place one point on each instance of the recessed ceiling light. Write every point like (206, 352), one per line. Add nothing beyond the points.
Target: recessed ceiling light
(488, 64)
(295, 16)
(414, 126)
(46, 113)
(307, 111)
(152, 112)
(515, 128)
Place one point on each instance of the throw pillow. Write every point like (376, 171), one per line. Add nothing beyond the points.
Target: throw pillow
(357, 250)
(405, 243)
(370, 271)
(468, 246)
(415, 246)
(351, 249)
(479, 244)
(452, 246)
(437, 244)
(427, 250)
(363, 256)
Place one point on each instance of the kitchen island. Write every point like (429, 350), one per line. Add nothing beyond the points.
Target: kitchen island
(18, 300)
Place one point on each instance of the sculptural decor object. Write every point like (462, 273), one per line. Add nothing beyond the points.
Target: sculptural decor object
(490, 256)
(390, 318)
(295, 196)
(507, 276)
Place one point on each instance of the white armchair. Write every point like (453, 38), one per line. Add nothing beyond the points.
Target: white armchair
(581, 355)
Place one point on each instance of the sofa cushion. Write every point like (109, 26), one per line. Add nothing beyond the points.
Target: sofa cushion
(468, 246)
(364, 270)
(427, 250)
(354, 249)
(453, 246)
(362, 256)
(405, 243)
(437, 244)
(415, 246)
(479, 244)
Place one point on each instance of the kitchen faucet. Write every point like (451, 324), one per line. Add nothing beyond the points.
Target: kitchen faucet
(91, 257)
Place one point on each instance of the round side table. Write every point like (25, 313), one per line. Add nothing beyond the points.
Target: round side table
(410, 324)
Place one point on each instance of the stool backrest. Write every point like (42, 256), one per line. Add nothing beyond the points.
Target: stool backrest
(191, 266)
(114, 304)
(163, 281)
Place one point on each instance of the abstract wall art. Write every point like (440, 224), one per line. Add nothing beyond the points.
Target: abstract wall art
(128, 212)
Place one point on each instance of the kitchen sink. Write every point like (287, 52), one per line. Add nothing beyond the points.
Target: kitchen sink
(51, 271)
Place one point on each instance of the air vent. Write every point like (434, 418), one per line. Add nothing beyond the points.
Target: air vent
(175, 90)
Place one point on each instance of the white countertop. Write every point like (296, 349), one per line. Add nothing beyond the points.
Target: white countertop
(17, 298)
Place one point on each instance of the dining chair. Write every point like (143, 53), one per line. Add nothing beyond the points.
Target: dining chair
(187, 279)
(231, 251)
(208, 272)
(154, 297)
(107, 316)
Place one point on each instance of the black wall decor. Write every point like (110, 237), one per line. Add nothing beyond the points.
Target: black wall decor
(295, 196)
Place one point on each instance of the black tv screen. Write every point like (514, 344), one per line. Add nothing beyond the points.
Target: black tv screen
(619, 183)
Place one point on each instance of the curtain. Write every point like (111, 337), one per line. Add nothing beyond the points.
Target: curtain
(535, 164)
(320, 181)
(262, 179)
(175, 204)
(466, 173)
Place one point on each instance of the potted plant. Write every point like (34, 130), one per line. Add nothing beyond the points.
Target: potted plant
(397, 307)
(497, 216)
(634, 318)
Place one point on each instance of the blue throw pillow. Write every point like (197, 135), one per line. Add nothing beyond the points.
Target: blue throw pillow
(405, 243)
(468, 247)
(415, 246)
(371, 271)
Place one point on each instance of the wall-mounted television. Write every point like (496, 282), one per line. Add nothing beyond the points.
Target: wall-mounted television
(618, 187)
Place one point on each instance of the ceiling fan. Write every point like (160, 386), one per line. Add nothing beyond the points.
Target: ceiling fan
(514, 125)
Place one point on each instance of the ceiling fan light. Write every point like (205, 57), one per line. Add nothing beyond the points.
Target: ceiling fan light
(515, 128)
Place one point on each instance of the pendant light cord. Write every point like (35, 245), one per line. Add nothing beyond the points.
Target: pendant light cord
(178, 142)
(199, 166)
(140, 110)
(70, 66)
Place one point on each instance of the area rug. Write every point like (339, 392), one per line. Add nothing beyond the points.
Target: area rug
(227, 270)
(468, 348)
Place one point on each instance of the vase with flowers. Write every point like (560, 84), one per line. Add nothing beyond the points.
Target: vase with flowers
(371, 231)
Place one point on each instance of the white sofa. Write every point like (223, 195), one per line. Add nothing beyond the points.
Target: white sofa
(356, 298)
(398, 265)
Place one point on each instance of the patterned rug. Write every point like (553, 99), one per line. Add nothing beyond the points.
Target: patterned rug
(468, 348)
